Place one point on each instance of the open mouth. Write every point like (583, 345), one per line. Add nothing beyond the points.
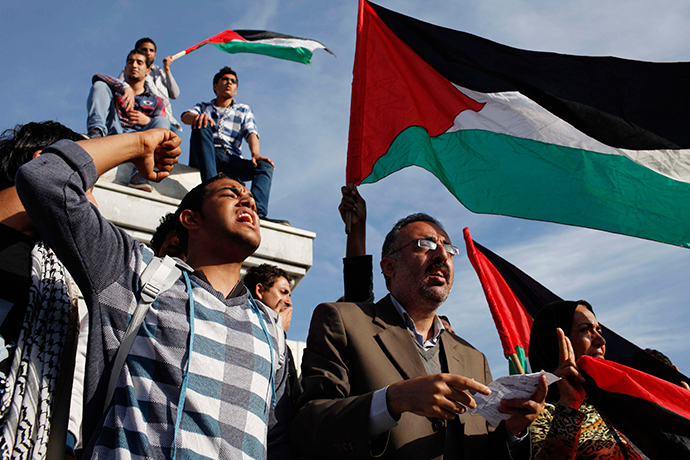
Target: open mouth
(245, 217)
(438, 270)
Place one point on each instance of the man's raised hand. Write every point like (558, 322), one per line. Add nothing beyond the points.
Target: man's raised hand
(353, 203)
(159, 151)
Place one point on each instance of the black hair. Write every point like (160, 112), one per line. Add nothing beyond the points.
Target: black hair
(264, 274)
(391, 243)
(141, 41)
(194, 200)
(141, 52)
(18, 144)
(167, 225)
(543, 339)
(660, 356)
(224, 71)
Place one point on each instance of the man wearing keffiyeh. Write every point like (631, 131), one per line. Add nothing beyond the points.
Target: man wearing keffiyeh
(36, 298)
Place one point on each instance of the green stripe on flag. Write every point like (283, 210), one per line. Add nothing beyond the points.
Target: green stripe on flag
(298, 54)
(500, 174)
(520, 352)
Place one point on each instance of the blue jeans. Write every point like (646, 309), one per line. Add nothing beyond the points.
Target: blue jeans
(102, 114)
(203, 155)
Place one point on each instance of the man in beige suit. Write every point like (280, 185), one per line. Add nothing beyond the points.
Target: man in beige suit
(386, 380)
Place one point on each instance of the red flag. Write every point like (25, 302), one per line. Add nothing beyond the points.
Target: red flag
(390, 92)
(506, 287)
(513, 323)
(652, 413)
(225, 36)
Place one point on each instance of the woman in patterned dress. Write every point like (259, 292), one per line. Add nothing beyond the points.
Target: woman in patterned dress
(571, 428)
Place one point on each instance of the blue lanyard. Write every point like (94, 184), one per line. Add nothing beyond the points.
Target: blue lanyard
(185, 379)
(269, 340)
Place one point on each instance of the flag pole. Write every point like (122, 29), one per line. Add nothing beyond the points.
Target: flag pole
(179, 55)
(516, 363)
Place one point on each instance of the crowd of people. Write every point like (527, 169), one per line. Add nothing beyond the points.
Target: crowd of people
(179, 356)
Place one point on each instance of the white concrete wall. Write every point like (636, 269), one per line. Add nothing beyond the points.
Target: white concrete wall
(297, 349)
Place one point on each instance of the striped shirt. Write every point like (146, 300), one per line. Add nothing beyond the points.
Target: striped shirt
(228, 406)
(231, 124)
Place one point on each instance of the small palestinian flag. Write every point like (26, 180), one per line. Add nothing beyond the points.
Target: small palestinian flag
(513, 321)
(597, 142)
(263, 42)
(652, 413)
(515, 298)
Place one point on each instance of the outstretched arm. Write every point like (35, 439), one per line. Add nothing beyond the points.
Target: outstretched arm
(357, 266)
(170, 83)
(154, 152)
(353, 204)
(53, 187)
(196, 120)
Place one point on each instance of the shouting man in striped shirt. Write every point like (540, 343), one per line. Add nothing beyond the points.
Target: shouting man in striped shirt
(204, 377)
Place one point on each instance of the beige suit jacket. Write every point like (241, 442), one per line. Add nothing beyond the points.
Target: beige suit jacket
(356, 349)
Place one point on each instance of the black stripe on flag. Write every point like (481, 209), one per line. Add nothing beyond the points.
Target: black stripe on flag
(622, 103)
(255, 35)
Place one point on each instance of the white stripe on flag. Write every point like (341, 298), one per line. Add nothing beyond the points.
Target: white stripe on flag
(311, 45)
(513, 114)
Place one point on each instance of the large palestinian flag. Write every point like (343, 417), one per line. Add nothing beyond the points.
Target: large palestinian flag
(515, 298)
(597, 142)
(264, 42)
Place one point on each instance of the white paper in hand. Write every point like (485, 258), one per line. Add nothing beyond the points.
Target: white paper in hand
(508, 387)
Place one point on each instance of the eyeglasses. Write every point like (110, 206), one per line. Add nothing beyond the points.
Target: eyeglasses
(230, 79)
(426, 243)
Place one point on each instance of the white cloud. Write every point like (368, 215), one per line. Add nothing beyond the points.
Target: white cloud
(260, 14)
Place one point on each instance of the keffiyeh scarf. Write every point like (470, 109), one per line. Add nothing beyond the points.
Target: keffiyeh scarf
(25, 409)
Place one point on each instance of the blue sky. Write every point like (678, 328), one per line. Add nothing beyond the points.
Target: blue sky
(638, 288)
